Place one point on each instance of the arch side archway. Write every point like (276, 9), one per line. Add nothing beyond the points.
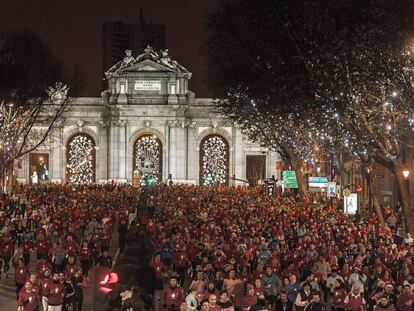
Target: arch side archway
(214, 160)
(80, 152)
(147, 156)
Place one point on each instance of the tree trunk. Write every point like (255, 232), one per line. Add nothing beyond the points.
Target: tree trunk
(341, 169)
(10, 180)
(297, 167)
(403, 189)
(372, 189)
(300, 179)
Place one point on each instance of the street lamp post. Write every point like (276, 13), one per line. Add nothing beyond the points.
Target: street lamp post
(406, 174)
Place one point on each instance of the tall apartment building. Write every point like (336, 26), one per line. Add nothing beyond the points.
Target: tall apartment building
(119, 36)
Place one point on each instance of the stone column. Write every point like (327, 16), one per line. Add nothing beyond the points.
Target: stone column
(102, 153)
(167, 147)
(178, 151)
(192, 166)
(114, 151)
(57, 160)
(239, 155)
(122, 150)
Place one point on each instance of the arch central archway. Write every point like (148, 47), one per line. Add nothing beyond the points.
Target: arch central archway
(214, 160)
(147, 156)
(81, 159)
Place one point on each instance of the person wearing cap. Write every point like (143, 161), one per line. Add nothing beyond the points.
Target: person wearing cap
(389, 292)
(291, 269)
(357, 278)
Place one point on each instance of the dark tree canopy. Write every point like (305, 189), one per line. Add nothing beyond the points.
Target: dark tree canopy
(274, 47)
(301, 76)
(28, 68)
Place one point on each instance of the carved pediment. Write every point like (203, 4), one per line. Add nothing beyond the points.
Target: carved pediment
(150, 60)
(146, 65)
(147, 68)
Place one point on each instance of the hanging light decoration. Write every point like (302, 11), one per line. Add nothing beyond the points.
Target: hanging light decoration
(214, 160)
(80, 167)
(148, 150)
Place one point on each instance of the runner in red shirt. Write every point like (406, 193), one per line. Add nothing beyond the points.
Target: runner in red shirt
(21, 272)
(27, 247)
(7, 248)
(43, 265)
(42, 245)
(85, 258)
(28, 298)
(55, 294)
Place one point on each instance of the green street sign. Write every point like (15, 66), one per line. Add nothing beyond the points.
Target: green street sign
(289, 180)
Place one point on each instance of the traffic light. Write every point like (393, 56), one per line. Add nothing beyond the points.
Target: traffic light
(359, 189)
(149, 180)
(270, 187)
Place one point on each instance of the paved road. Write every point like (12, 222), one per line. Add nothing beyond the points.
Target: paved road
(8, 288)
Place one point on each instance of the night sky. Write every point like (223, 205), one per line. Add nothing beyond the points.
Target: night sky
(73, 29)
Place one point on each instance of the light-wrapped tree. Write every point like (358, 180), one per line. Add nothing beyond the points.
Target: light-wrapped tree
(34, 95)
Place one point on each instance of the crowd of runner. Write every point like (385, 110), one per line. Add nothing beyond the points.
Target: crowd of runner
(54, 235)
(218, 249)
(247, 251)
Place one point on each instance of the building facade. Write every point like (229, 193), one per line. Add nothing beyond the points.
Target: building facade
(147, 123)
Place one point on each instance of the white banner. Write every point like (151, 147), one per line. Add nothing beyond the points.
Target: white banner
(332, 189)
(351, 204)
(147, 85)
